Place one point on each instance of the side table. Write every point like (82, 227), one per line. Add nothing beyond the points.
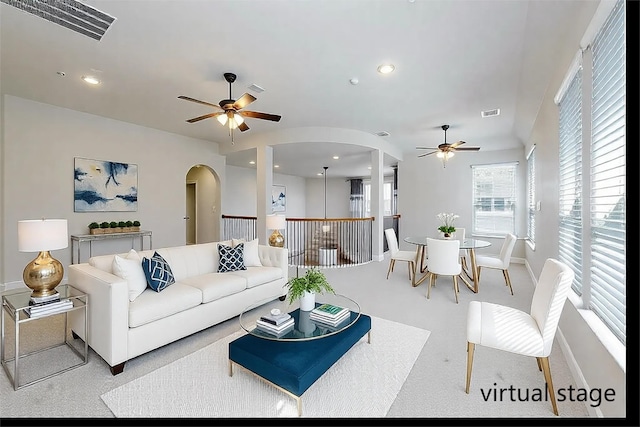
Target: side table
(14, 305)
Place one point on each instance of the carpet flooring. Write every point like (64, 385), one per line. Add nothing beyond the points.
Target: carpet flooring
(362, 383)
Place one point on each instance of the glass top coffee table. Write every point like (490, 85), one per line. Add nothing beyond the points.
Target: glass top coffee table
(304, 328)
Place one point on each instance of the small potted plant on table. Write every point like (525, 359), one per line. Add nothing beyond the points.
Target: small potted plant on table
(136, 225)
(306, 287)
(447, 228)
(115, 228)
(105, 227)
(94, 228)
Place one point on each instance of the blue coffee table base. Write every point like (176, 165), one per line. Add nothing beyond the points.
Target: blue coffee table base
(293, 366)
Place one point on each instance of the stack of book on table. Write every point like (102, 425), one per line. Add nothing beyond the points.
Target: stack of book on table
(44, 306)
(329, 314)
(277, 325)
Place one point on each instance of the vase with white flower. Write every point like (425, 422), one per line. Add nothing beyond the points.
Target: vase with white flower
(447, 228)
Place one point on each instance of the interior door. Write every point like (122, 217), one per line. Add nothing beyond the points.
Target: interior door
(190, 218)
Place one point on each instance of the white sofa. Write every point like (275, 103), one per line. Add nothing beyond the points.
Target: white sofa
(120, 329)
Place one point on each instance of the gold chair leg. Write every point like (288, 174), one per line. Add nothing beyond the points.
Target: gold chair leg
(430, 282)
(410, 264)
(455, 287)
(390, 268)
(507, 279)
(544, 361)
(478, 275)
(539, 365)
(470, 348)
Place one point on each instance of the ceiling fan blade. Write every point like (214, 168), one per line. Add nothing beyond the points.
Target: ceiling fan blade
(467, 149)
(257, 115)
(457, 144)
(426, 154)
(243, 126)
(244, 100)
(206, 116)
(426, 148)
(186, 98)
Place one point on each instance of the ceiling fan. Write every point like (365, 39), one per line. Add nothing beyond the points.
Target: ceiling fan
(444, 150)
(231, 113)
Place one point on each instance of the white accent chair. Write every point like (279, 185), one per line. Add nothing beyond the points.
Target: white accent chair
(397, 254)
(444, 257)
(529, 334)
(500, 262)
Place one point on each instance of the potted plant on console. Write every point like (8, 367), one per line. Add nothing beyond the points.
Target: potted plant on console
(94, 228)
(306, 287)
(136, 225)
(105, 226)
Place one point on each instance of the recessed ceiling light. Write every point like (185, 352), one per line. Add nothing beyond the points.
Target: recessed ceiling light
(386, 68)
(252, 162)
(336, 157)
(91, 80)
(369, 168)
(276, 166)
(319, 174)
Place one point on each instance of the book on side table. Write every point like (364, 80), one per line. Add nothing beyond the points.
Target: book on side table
(48, 307)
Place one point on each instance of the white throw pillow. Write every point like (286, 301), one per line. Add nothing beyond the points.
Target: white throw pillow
(130, 269)
(251, 256)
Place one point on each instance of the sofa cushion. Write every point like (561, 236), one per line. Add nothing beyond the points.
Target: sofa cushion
(251, 256)
(130, 269)
(216, 285)
(231, 259)
(190, 260)
(151, 306)
(258, 275)
(158, 272)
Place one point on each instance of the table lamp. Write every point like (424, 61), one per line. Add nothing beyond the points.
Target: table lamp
(276, 223)
(44, 273)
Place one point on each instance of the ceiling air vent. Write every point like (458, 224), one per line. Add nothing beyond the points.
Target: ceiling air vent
(383, 133)
(254, 87)
(490, 113)
(71, 14)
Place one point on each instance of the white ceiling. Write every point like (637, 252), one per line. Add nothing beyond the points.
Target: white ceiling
(453, 59)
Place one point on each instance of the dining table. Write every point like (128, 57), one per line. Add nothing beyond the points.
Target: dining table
(471, 271)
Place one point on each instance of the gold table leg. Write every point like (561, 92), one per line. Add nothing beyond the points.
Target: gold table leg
(422, 268)
(474, 273)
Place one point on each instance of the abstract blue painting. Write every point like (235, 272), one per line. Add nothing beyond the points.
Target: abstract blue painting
(104, 186)
(278, 198)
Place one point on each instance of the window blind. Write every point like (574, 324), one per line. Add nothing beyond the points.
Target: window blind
(608, 174)
(494, 199)
(531, 195)
(570, 182)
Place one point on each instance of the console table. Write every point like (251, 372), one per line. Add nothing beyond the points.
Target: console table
(77, 239)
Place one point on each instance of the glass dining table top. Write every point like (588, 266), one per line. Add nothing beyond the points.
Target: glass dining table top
(464, 244)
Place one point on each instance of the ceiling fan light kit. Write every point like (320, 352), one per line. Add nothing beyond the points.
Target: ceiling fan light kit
(232, 114)
(446, 151)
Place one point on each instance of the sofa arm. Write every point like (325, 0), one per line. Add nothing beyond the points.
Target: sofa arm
(108, 311)
(271, 256)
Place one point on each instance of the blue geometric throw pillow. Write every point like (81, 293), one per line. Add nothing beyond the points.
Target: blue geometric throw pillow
(231, 259)
(157, 272)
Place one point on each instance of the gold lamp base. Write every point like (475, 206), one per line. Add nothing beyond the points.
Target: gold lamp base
(276, 239)
(43, 274)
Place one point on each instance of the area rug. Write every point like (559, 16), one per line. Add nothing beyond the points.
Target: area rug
(363, 383)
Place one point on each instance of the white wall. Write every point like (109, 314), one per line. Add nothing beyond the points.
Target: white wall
(338, 192)
(40, 142)
(426, 188)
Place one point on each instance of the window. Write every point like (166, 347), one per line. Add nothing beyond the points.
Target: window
(387, 192)
(531, 196)
(494, 199)
(593, 186)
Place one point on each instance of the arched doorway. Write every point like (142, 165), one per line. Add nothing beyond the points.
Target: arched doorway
(202, 205)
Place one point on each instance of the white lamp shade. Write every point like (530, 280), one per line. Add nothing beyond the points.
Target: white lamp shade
(276, 222)
(35, 235)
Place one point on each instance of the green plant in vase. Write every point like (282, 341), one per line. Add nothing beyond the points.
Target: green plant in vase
(304, 288)
(447, 228)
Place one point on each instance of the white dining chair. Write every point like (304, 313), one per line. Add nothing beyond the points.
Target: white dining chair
(444, 259)
(397, 254)
(460, 235)
(500, 262)
(512, 330)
